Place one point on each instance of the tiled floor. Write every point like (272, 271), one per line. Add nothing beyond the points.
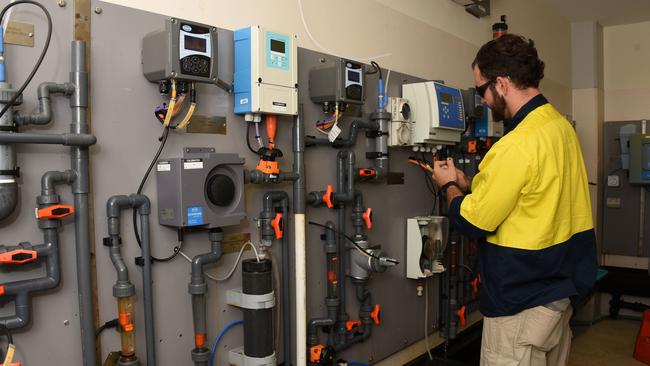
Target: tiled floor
(607, 343)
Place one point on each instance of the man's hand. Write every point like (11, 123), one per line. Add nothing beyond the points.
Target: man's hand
(462, 180)
(444, 172)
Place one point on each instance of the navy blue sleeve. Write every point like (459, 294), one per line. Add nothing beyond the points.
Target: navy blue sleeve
(459, 223)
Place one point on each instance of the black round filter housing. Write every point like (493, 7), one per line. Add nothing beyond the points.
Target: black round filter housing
(221, 190)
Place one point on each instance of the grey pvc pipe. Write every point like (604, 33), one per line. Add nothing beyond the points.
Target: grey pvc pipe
(364, 298)
(65, 139)
(114, 205)
(299, 189)
(352, 135)
(150, 340)
(44, 114)
(8, 185)
(345, 176)
(198, 288)
(282, 198)
(80, 164)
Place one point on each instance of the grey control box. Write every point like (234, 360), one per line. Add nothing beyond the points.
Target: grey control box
(184, 50)
(201, 189)
(341, 81)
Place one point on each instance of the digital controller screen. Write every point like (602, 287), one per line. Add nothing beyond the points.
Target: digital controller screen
(195, 44)
(353, 76)
(277, 46)
(446, 98)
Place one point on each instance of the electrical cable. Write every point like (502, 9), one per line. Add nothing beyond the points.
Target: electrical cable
(258, 137)
(5, 21)
(363, 251)
(177, 249)
(277, 309)
(426, 318)
(304, 24)
(377, 68)
(40, 58)
(248, 141)
(216, 342)
(109, 324)
(386, 85)
(10, 345)
(234, 267)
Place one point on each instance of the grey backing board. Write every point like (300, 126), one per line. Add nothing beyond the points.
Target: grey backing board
(621, 225)
(127, 132)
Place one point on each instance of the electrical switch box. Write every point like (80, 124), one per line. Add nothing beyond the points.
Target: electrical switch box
(426, 238)
(640, 159)
(401, 130)
(341, 81)
(202, 189)
(437, 112)
(184, 50)
(266, 72)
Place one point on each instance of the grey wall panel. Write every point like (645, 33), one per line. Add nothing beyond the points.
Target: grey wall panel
(122, 112)
(53, 335)
(620, 225)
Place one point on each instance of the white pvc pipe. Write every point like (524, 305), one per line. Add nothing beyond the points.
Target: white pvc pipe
(300, 290)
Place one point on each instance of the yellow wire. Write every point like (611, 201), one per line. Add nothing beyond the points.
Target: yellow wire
(186, 120)
(10, 355)
(172, 104)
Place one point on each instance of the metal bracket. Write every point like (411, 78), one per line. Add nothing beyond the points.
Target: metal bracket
(238, 358)
(239, 299)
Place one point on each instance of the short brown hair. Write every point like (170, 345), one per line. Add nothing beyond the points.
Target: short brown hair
(513, 56)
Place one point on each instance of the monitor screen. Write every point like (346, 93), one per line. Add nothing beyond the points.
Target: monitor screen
(277, 46)
(195, 44)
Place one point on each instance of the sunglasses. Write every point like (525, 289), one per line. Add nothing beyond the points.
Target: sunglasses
(480, 90)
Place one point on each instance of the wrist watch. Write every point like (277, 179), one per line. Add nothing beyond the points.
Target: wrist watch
(445, 186)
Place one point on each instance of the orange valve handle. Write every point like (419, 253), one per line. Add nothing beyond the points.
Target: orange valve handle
(327, 197)
(315, 353)
(350, 325)
(278, 224)
(18, 256)
(268, 167)
(54, 212)
(461, 315)
(271, 128)
(367, 173)
(367, 217)
(376, 315)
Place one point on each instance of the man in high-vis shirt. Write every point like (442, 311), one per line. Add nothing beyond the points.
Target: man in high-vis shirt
(529, 207)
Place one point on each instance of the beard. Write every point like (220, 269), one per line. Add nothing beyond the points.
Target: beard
(499, 109)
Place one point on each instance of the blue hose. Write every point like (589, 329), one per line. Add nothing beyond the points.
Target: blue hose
(355, 363)
(216, 342)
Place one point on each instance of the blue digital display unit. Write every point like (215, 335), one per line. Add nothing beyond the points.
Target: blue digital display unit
(450, 107)
(242, 83)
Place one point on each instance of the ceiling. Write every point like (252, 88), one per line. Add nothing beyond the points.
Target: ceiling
(605, 12)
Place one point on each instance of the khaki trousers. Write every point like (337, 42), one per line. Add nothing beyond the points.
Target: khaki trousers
(534, 337)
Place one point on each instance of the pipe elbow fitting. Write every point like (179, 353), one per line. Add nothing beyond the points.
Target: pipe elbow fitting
(114, 205)
(142, 202)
